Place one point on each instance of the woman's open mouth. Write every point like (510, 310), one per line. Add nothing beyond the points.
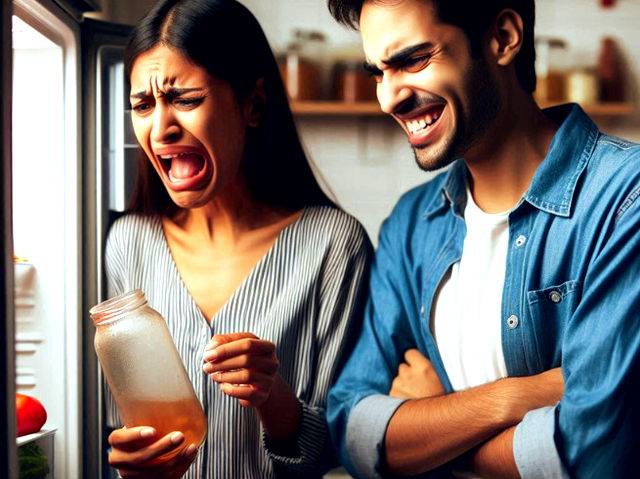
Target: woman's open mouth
(184, 168)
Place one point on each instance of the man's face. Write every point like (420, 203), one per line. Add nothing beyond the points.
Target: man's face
(427, 80)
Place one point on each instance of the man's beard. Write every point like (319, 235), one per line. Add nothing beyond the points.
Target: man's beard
(484, 102)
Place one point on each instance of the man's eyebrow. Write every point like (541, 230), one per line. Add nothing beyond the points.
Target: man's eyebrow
(402, 55)
(371, 68)
(173, 92)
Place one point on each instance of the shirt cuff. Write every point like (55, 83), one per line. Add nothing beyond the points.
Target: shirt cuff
(366, 430)
(305, 450)
(534, 448)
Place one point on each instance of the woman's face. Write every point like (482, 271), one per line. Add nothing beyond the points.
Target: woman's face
(190, 125)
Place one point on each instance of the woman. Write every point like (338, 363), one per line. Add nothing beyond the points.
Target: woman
(256, 272)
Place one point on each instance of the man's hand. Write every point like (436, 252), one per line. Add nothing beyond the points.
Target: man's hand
(138, 452)
(416, 378)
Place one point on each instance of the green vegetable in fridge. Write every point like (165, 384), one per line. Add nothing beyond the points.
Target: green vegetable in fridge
(32, 462)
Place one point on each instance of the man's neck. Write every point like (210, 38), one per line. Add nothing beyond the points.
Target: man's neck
(502, 165)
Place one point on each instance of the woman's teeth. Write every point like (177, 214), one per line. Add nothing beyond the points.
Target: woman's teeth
(417, 125)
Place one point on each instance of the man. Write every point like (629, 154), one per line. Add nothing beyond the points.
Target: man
(521, 259)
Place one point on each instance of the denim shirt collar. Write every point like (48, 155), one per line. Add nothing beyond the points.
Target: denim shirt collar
(554, 182)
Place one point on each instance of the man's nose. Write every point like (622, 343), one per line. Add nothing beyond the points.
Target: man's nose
(392, 92)
(165, 126)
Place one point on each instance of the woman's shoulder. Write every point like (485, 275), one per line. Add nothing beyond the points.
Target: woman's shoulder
(333, 224)
(131, 227)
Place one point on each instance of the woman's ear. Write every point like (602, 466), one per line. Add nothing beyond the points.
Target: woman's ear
(506, 37)
(254, 104)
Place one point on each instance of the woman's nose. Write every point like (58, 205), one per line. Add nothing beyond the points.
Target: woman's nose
(165, 127)
(392, 92)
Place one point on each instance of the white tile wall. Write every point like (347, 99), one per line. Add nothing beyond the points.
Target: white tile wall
(367, 161)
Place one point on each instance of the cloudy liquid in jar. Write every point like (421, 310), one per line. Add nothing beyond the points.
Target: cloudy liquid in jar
(166, 417)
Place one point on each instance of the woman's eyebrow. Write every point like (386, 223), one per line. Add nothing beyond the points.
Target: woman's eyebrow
(172, 92)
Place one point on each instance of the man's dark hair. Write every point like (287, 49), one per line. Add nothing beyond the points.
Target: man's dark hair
(474, 18)
(225, 39)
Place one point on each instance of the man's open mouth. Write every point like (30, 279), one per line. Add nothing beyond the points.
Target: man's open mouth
(422, 125)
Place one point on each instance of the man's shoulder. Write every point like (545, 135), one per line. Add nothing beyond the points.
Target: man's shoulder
(615, 163)
(420, 199)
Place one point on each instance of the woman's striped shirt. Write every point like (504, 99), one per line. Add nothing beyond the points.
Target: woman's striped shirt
(304, 295)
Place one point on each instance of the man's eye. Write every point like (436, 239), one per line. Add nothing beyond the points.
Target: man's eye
(415, 64)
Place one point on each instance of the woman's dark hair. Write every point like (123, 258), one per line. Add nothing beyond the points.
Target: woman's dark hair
(225, 39)
(474, 17)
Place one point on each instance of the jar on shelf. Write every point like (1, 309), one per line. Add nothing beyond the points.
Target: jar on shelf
(144, 370)
(551, 61)
(301, 65)
(610, 72)
(351, 83)
(582, 86)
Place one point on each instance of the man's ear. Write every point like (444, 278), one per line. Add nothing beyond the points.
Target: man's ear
(254, 104)
(505, 37)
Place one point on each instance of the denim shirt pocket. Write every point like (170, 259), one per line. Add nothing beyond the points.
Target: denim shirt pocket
(550, 309)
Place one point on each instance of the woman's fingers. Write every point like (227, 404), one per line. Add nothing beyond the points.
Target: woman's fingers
(243, 346)
(247, 394)
(125, 454)
(132, 438)
(172, 468)
(219, 339)
(265, 364)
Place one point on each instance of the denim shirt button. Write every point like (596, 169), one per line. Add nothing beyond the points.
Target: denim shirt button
(512, 322)
(520, 240)
(555, 296)
(421, 310)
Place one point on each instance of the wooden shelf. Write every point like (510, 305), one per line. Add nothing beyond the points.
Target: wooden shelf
(372, 108)
(336, 108)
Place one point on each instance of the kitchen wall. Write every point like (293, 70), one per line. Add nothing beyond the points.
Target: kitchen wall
(366, 161)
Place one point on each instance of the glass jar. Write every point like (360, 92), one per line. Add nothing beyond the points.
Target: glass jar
(301, 66)
(144, 370)
(352, 83)
(551, 63)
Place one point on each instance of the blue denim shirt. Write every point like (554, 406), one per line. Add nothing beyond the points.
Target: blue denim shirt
(571, 298)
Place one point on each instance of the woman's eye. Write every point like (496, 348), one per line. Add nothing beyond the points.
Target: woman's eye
(141, 107)
(415, 64)
(188, 102)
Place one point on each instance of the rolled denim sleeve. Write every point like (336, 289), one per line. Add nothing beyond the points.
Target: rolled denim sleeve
(366, 431)
(534, 447)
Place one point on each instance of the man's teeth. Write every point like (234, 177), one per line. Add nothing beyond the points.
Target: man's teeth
(417, 125)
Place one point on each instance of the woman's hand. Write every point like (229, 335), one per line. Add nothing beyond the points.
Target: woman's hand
(416, 378)
(244, 366)
(135, 453)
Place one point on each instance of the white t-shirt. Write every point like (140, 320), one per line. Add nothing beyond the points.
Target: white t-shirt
(466, 318)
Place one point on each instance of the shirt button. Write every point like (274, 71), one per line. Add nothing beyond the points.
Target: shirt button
(555, 296)
(520, 240)
(512, 322)
(421, 310)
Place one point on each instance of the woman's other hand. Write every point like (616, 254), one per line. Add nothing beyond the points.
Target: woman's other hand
(135, 453)
(416, 378)
(244, 366)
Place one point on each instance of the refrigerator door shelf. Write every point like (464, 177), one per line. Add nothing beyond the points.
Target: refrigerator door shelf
(25, 282)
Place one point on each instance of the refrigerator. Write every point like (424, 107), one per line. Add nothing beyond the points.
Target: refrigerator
(68, 160)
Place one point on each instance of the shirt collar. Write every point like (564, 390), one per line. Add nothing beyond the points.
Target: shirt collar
(554, 182)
